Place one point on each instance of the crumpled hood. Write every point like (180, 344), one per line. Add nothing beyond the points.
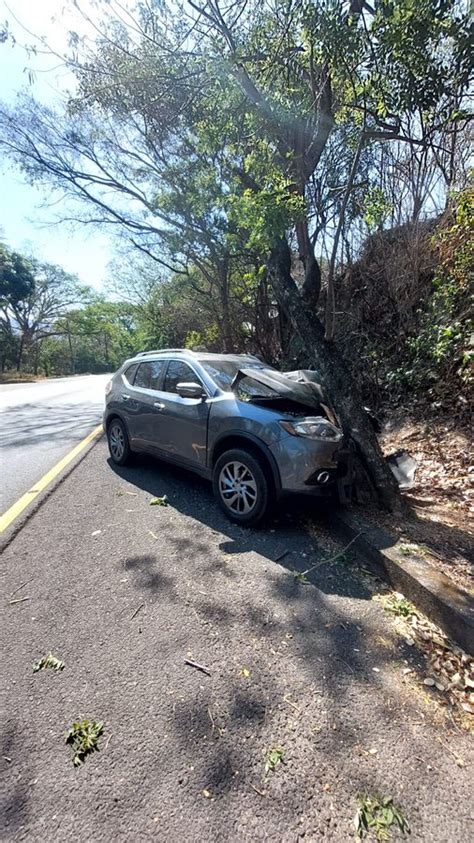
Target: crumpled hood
(300, 386)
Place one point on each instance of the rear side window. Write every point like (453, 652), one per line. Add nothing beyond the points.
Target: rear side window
(179, 372)
(149, 374)
(129, 373)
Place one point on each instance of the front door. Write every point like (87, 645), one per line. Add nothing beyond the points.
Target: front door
(182, 429)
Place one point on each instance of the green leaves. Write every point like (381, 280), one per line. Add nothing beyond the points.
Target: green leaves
(397, 604)
(160, 501)
(48, 661)
(83, 736)
(274, 758)
(376, 815)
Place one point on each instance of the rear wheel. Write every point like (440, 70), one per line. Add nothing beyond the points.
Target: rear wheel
(119, 445)
(241, 486)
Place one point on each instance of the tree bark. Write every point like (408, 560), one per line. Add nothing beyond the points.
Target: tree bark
(312, 272)
(335, 376)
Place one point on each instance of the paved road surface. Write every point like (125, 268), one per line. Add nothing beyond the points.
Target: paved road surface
(39, 423)
(124, 592)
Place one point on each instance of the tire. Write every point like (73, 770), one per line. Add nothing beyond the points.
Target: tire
(117, 439)
(252, 498)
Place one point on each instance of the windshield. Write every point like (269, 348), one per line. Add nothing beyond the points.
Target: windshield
(223, 373)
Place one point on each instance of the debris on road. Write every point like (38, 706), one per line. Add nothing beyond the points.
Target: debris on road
(274, 758)
(84, 738)
(18, 600)
(137, 611)
(197, 666)
(48, 661)
(160, 501)
(450, 669)
(376, 815)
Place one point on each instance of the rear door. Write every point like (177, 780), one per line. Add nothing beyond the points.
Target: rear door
(143, 403)
(182, 430)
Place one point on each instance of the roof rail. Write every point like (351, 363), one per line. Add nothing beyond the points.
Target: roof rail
(164, 351)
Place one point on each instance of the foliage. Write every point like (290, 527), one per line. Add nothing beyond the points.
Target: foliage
(399, 605)
(377, 815)
(83, 736)
(273, 759)
(439, 355)
(48, 661)
(160, 501)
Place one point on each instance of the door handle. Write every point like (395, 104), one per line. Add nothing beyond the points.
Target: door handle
(158, 405)
(125, 396)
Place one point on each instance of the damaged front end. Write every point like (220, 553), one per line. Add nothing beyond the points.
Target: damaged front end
(315, 438)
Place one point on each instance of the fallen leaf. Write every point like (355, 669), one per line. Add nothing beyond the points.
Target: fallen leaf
(207, 793)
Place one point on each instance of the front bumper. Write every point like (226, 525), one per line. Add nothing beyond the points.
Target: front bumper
(311, 467)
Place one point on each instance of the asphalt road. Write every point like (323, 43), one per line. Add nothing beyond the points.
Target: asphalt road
(39, 423)
(124, 592)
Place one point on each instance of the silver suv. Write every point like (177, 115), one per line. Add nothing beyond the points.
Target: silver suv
(255, 432)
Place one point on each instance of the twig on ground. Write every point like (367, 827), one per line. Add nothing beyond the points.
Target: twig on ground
(282, 555)
(293, 705)
(213, 725)
(459, 761)
(19, 600)
(7, 759)
(197, 666)
(21, 586)
(260, 792)
(343, 662)
(137, 611)
(108, 741)
(332, 558)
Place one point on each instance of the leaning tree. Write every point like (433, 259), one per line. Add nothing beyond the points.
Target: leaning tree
(200, 130)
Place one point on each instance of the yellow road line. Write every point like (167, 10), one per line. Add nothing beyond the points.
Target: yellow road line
(9, 516)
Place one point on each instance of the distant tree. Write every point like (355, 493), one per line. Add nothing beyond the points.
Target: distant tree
(32, 297)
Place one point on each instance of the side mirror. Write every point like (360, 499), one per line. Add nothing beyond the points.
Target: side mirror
(190, 390)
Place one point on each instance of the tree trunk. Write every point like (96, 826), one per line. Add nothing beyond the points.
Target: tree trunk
(335, 376)
(20, 354)
(227, 333)
(71, 350)
(312, 273)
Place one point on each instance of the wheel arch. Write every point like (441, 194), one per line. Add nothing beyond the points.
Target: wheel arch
(255, 446)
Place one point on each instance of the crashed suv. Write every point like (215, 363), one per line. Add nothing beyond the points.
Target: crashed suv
(256, 433)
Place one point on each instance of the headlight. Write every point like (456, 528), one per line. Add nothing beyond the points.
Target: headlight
(314, 428)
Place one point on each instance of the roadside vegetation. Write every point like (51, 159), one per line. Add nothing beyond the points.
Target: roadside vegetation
(290, 180)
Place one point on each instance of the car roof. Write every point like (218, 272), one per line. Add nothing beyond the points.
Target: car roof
(194, 355)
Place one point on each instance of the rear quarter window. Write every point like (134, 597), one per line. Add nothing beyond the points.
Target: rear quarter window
(130, 373)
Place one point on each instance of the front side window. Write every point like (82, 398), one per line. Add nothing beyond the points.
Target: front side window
(149, 374)
(179, 372)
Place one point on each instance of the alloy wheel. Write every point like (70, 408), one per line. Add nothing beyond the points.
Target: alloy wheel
(116, 441)
(238, 487)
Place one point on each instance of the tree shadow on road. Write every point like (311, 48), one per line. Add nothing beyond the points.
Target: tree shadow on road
(323, 682)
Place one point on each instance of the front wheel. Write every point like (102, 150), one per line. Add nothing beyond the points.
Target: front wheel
(241, 487)
(119, 445)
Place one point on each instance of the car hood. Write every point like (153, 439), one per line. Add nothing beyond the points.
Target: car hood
(299, 387)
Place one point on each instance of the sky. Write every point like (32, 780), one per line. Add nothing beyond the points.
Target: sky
(28, 219)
